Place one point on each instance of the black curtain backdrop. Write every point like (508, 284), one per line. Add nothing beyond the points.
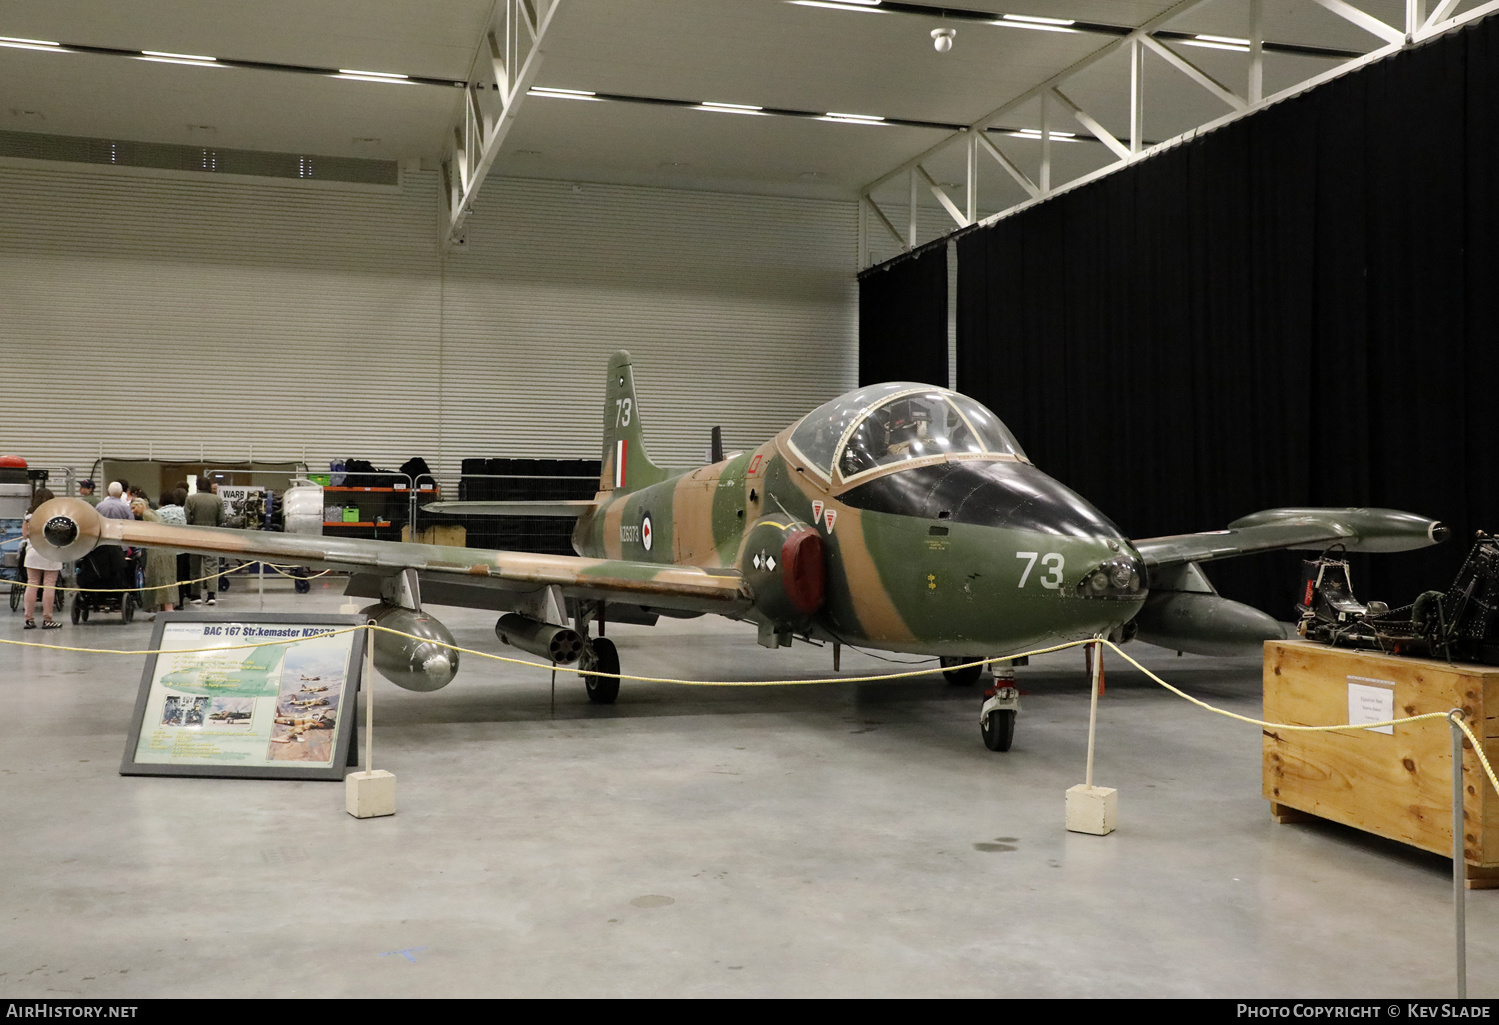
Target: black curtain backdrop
(1295, 309)
(903, 320)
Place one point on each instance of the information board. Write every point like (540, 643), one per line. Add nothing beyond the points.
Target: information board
(267, 696)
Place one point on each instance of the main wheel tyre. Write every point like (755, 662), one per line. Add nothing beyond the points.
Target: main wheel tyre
(966, 677)
(301, 586)
(998, 729)
(602, 690)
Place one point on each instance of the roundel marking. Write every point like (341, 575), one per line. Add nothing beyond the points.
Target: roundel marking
(645, 531)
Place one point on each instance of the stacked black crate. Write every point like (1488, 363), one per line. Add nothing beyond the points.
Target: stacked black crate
(535, 480)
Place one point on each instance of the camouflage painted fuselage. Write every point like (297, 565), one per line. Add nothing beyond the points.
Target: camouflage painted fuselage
(965, 556)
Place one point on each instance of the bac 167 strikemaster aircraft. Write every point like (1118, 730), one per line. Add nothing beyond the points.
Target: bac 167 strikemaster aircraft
(900, 517)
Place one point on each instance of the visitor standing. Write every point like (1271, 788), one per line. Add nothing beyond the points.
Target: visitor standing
(41, 572)
(204, 509)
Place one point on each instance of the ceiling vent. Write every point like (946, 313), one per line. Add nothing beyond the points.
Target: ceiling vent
(206, 159)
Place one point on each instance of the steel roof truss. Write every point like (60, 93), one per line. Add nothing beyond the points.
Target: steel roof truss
(1195, 73)
(509, 51)
(1363, 20)
(942, 197)
(1021, 178)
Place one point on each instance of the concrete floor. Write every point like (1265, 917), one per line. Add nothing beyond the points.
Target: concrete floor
(840, 840)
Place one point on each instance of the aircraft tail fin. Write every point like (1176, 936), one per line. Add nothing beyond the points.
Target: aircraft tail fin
(626, 465)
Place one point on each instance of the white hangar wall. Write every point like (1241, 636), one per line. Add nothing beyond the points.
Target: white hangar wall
(163, 315)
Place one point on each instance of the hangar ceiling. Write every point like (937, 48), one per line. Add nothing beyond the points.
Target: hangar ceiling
(799, 57)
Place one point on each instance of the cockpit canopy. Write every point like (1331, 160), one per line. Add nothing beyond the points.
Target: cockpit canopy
(886, 424)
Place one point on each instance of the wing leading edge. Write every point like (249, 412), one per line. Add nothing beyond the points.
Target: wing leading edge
(1358, 530)
(473, 570)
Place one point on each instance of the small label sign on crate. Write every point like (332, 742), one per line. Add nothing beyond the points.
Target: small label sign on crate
(1371, 701)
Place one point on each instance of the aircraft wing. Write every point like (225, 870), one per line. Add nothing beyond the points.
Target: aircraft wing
(1356, 530)
(473, 577)
(570, 508)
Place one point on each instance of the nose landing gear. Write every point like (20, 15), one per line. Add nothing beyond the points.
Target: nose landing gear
(997, 716)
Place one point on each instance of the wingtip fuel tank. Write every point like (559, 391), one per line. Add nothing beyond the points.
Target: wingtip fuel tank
(1365, 530)
(69, 528)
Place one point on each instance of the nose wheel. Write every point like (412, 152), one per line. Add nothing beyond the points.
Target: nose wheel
(998, 729)
(997, 716)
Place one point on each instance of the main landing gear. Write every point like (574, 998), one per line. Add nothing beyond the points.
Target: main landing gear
(601, 656)
(965, 677)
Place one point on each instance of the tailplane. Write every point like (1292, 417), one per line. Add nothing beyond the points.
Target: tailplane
(626, 467)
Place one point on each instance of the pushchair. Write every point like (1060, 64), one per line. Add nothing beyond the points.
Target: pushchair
(17, 577)
(114, 571)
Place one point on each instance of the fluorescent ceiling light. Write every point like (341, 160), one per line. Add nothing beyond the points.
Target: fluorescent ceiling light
(1214, 46)
(847, 5)
(1038, 24)
(178, 60)
(32, 44)
(730, 110)
(1038, 28)
(371, 74)
(368, 78)
(1035, 133)
(179, 56)
(1035, 20)
(854, 117)
(561, 94)
(1223, 39)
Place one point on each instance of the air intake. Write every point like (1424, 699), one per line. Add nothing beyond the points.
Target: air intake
(206, 159)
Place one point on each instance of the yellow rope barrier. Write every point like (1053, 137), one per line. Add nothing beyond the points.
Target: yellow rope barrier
(374, 627)
(159, 587)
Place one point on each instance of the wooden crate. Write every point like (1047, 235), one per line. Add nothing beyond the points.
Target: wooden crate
(452, 535)
(1398, 785)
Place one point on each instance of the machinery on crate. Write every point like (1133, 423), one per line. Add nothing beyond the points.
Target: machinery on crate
(1460, 624)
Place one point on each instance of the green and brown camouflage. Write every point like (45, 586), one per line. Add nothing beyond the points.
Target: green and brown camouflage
(896, 575)
(900, 516)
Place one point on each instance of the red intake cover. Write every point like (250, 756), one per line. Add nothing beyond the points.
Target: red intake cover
(802, 573)
(13, 462)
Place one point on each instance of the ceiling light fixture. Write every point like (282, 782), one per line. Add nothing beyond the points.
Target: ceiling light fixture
(206, 62)
(1038, 24)
(1219, 43)
(730, 108)
(852, 119)
(1037, 20)
(32, 44)
(561, 94)
(868, 6)
(1035, 133)
(179, 56)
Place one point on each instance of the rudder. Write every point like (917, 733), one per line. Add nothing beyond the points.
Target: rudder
(626, 465)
